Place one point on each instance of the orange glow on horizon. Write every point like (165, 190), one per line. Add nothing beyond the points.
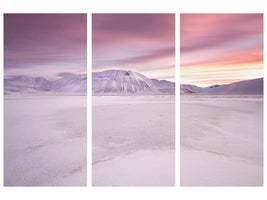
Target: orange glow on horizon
(222, 74)
(164, 74)
(220, 48)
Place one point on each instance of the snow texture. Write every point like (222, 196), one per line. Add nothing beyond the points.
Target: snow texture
(133, 140)
(44, 140)
(221, 140)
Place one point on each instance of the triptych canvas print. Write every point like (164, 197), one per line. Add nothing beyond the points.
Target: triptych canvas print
(134, 92)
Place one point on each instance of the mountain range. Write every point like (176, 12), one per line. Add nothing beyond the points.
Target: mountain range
(106, 82)
(120, 82)
(70, 83)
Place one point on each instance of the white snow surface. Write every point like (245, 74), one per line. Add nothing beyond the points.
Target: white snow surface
(144, 168)
(124, 82)
(254, 86)
(44, 140)
(133, 140)
(221, 140)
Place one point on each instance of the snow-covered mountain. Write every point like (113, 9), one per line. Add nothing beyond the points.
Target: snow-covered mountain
(189, 89)
(73, 83)
(122, 82)
(254, 86)
(76, 83)
(26, 84)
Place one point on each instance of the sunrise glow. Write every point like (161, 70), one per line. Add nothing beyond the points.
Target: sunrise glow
(221, 48)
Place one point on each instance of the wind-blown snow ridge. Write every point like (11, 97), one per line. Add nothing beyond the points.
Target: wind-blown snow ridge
(125, 82)
(73, 83)
(254, 86)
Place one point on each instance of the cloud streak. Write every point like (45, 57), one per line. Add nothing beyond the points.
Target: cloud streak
(139, 42)
(218, 40)
(36, 43)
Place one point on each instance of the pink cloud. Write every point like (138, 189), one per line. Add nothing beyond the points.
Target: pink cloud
(215, 40)
(200, 31)
(132, 41)
(111, 28)
(40, 42)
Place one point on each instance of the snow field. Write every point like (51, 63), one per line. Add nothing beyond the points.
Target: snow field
(44, 140)
(133, 140)
(221, 140)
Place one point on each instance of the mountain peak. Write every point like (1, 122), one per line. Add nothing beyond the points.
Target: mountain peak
(126, 81)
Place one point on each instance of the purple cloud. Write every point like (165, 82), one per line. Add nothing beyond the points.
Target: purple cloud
(41, 42)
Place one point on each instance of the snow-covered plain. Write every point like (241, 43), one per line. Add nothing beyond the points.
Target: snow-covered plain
(221, 140)
(133, 140)
(44, 140)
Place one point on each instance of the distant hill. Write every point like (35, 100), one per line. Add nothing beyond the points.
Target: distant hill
(254, 86)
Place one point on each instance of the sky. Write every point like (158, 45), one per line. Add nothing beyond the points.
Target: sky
(144, 43)
(45, 44)
(220, 48)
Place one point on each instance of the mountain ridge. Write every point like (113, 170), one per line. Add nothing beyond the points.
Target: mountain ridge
(103, 83)
(77, 84)
(252, 86)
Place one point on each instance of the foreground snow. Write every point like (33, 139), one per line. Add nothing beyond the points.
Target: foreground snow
(221, 140)
(44, 140)
(133, 140)
(144, 168)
